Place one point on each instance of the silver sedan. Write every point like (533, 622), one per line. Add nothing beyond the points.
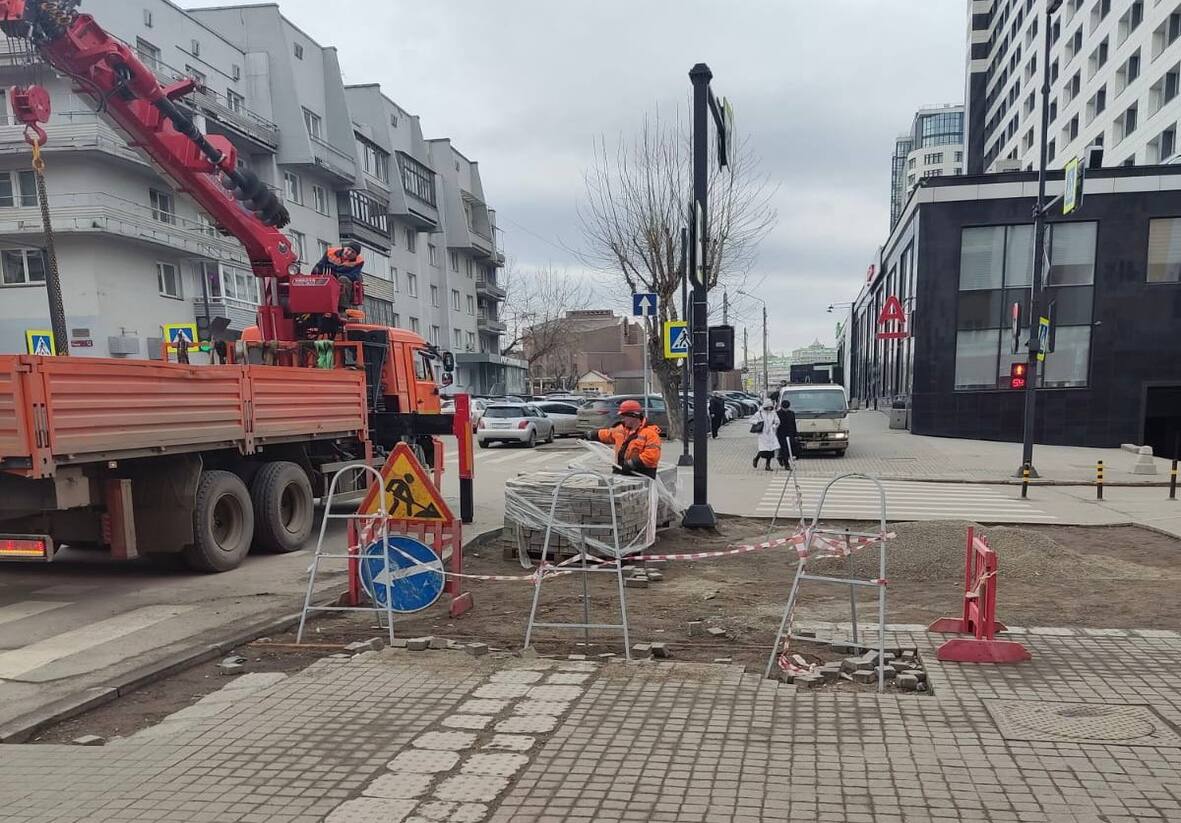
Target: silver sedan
(514, 423)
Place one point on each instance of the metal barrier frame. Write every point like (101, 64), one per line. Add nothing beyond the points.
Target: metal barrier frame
(851, 581)
(582, 568)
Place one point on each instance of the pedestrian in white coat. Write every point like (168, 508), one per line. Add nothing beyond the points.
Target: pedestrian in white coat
(764, 427)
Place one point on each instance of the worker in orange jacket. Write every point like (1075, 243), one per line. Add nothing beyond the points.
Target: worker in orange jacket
(345, 263)
(636, 441)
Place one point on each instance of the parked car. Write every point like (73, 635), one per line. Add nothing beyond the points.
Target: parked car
(478, 405)
(603, 412)
(748, 404)
(564, 416)
(522, 423)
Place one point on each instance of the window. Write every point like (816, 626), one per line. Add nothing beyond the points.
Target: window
(1172, 81)
(1128, 72)
(457, 338)
(411, 240)
(1164, 250)
(147, 18)
(370, 212)
(434, 295)
(434, 335)
(1131, 19)
(299, 242)
(149, 54)
(1071, 131)
(292, 187)
(933, 158)
(199, 76)
(471, 341)
(22, 267)
(394, 277)
(195, 48)
(168, 280)
(1072, 255)
(1168, 143)
(163, 208)
(1125, 124)
(229, 283)
(432, 253)
(397, 318)
(375, 161)
(454, 258)
(18, 188)
(323, 246)
(320, 199)
(236, 72)
(1098, 57)
(455, 296)
(471, 305)
(1097, 104)
(235, 101)
(313, 123)
(959, 157)
(910, 163)
(380, 311)
(298, 49)
(418, 180)
(1098, 11)
(467, 267)
(412, 284)
(415, 326)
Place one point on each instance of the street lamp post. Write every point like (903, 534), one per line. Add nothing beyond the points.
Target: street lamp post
(1040, 208)
(766, 382)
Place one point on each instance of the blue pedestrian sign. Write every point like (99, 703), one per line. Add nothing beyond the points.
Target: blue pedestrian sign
(676, 339)
(406, 577)
(644, 304)
(175, 332)
(40, 342)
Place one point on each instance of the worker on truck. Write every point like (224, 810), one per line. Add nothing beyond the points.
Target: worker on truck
(636, 441)
(345, 264)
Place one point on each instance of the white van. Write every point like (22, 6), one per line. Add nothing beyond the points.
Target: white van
(822, 416)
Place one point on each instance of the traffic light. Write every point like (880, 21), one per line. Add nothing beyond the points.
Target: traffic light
(1017, 375)
(721, 348)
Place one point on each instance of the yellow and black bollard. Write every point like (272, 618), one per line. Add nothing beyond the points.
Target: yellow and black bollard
(1173, 481)
(1099, 480)
(1025, 481)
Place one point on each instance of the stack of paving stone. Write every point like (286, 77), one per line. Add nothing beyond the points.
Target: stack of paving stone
(902, 666)
(583, 501)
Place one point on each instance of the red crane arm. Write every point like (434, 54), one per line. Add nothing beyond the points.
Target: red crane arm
(202, 166)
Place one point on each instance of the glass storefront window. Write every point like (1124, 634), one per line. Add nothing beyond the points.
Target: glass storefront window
(1164, 250)
(975, 359)
(1067, 364)
(982, 258)
(1019, 256)
(1072, 254)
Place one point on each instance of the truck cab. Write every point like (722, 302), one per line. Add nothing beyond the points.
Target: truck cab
(822, 416)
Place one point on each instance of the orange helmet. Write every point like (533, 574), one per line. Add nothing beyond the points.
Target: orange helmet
(631, 408)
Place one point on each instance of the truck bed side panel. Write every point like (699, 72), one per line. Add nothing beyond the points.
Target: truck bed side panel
(100, 406)
(290, 402)
(14, 436)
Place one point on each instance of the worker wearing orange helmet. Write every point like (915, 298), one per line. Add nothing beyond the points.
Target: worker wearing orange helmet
(636, 441)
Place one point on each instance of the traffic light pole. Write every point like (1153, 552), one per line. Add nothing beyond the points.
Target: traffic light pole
(700, 514)
(1040, 209)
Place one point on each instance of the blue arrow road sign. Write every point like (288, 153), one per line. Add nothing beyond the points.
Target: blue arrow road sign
(644, 304)
(408, 573)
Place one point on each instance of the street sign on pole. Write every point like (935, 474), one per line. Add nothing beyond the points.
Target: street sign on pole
(175, 332)
(1015, 317)
(402, 574)
(644, 304)
(1072, 197)
(1043, 337)
(676, 339)
(697, 272)
(40, 342)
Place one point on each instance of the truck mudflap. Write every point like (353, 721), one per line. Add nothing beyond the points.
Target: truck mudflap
(26, 547)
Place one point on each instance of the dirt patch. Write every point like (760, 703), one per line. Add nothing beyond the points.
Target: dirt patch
(1108, 577)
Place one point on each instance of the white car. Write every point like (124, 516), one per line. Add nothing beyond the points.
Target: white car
(521, 423)
(564, 416)
(476, 409)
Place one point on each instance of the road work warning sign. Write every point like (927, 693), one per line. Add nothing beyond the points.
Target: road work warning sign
(409, 492)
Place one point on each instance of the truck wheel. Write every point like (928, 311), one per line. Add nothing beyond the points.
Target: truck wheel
(223, 523)
(283, 507)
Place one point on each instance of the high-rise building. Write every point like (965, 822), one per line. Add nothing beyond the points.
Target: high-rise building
(1115, 74)
(933, 147)
(134, 253)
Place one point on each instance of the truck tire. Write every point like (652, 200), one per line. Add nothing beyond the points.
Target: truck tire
(223, 523)
(284, 508)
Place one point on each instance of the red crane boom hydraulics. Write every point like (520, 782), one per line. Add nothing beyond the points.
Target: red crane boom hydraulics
(203, 166)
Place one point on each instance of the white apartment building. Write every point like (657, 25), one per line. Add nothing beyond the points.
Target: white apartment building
(933, 147)
(1115, 74)
(134, 254)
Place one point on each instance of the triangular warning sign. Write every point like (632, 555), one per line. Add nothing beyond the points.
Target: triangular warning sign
(42, 347)
(409, 492)
(181, 334)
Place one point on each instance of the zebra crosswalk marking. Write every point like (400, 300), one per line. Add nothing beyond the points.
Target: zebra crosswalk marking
(27, 608)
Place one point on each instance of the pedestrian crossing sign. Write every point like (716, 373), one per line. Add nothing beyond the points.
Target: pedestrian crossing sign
(409, 493)
(676, 339)
(175, 332)
(40, 342)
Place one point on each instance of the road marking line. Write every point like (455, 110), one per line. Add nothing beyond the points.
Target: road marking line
(27, 608)
(24, 660)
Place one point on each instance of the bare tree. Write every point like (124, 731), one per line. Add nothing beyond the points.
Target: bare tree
(637, 200)
(535, 307)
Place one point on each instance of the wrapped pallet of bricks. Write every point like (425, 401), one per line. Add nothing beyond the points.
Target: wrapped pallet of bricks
(582, 513)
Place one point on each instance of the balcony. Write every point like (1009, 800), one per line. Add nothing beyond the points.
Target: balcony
(490, 324)
(334, 161)
(416, 201)
(239, 120)
(70, 131)
(364, 218)
(102, 213)
(240, 313)
(489, 288)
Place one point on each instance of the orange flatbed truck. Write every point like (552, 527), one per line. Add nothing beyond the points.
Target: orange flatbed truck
(205, 461)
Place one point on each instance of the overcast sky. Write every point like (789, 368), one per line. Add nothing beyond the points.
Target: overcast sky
(821, 87)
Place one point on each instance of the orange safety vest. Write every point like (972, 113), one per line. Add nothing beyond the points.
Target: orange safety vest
(334, 262)
(643, 444)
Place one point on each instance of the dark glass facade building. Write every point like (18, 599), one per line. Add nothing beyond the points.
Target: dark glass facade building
(961, 258)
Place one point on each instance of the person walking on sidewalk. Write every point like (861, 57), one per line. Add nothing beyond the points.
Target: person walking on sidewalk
(764, 428)
(717, 413)
(787, 433)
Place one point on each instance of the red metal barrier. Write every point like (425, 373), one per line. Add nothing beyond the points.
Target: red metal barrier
(979, 616)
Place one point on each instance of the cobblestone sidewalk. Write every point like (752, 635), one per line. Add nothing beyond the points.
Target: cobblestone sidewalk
(1087, 732)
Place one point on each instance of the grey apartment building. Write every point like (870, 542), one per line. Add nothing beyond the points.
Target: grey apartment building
(134, 254)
